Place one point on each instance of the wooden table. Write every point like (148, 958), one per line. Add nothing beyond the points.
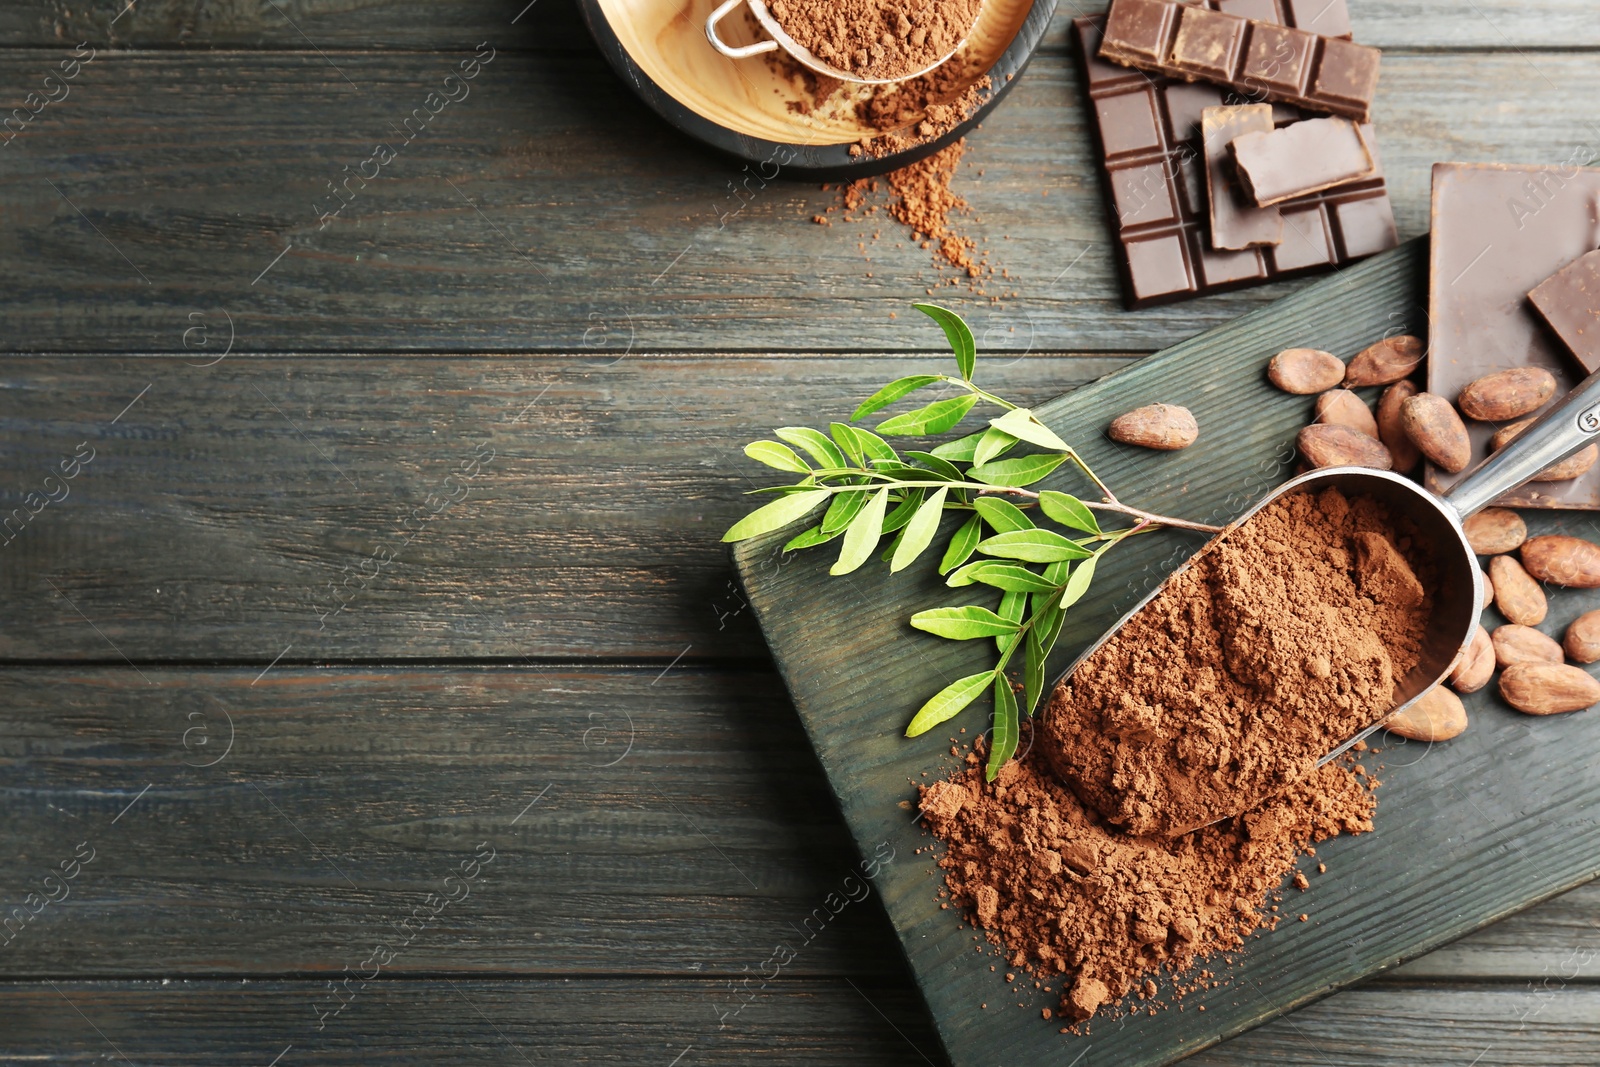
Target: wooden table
(388, 666)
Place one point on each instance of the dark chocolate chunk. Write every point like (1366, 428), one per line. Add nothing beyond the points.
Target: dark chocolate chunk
(1250, 55)
(1307, 157)
(1148, 128)
(1497, 232)
(1569, 302)
(1236, 222)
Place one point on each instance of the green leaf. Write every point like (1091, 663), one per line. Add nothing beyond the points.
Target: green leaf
(1003, 515)
(870, 446)
(1056, 573)
(1003, 741)
(903, 511)
(815, 442)
(959, 336)
(919, 531)
(1013, 606)
(775, 455)
(1068, 511)
(890, 393)
(937, 417)
(962, 449)
(1033, 653)
(844, 508)
(845, 437)
(810, 539)
(901, 471)
(1016, 473)
(936, 465)
(962, 545)
(776, 515)
(862, 534)
(1012, 577)
(894, 546)
(963, 624)
(948, 702)
(992, 445)
(1020, 422)
(1078, 584)
(1033, 546)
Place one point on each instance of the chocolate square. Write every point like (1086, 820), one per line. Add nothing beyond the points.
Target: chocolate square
(1306, 240)
(1144, 194)
(1365, 226)
(1330, 18)
(1218, 268)
(1278, 59)
(1347, 73)
(1128, 122)
(1159, 266)
(1186, 102)
(1140, 28)
(1263, 10)
(1207, 44)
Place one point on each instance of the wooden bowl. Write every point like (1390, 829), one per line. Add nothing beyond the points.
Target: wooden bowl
(741, 106)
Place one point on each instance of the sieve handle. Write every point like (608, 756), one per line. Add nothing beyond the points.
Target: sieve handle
(733, 51)
(1561, 431)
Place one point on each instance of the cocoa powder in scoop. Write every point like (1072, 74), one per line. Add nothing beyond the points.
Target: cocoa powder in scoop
(1283, 638)
(877, 38)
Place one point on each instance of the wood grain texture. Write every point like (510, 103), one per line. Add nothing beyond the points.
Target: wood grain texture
(645, 1023)
(551, 25)
(1461, 837)
(642, 822)
(594, 530)
(549, 211)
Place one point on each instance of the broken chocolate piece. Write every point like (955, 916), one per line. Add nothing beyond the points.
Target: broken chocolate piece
(1236, 222)
(1300, 159)
(1569, 301)
(1290, 64)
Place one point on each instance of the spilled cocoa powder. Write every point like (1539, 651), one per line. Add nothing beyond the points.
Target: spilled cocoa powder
(877, 38)
(1214, 703)
(1281, 640)
(1066, 896)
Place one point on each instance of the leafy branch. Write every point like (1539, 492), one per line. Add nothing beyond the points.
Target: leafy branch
(866, 490)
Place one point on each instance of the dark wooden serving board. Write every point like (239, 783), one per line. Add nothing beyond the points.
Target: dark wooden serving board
(1467, 832)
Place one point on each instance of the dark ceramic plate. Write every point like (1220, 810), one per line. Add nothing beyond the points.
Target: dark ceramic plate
(742, 106)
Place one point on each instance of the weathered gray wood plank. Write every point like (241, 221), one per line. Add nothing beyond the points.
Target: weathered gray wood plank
(644, 1022)
(221, 507)
(554, 24)
(640, 822)
(202, 169)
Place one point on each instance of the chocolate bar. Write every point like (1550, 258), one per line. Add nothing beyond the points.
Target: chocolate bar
(1251, 56)
(1300, 159)
(1498, 231)
(1569, 302)
(1236, 222)
(1148, 134)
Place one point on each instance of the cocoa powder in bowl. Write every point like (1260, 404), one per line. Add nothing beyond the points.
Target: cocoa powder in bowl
(877, 38)
(1282, 639)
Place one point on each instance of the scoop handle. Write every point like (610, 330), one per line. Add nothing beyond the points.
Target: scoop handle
(1560, 432)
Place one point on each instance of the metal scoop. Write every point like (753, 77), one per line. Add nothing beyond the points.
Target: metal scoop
(1561, 431)
(798, 52)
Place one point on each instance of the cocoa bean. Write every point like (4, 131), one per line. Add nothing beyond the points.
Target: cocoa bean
(1488, 589)
(1548, 688)
(1331, 445)
(1507, 394)
(1436, 429)
(1518, 596)
(1476, 665)
(1574, 465)
(1437, 715)
(1494, 531)
(1393, 435)
(1387, 361)
(1506, 434)
(1167, 427)
(1562, 560)
(1582, 642)
(1515, 644)
(1305, 371)
(1341, 407)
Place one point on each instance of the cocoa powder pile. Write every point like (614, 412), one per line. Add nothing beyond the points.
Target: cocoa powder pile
(877, 38)
(1064, 895)
(1284, 638)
